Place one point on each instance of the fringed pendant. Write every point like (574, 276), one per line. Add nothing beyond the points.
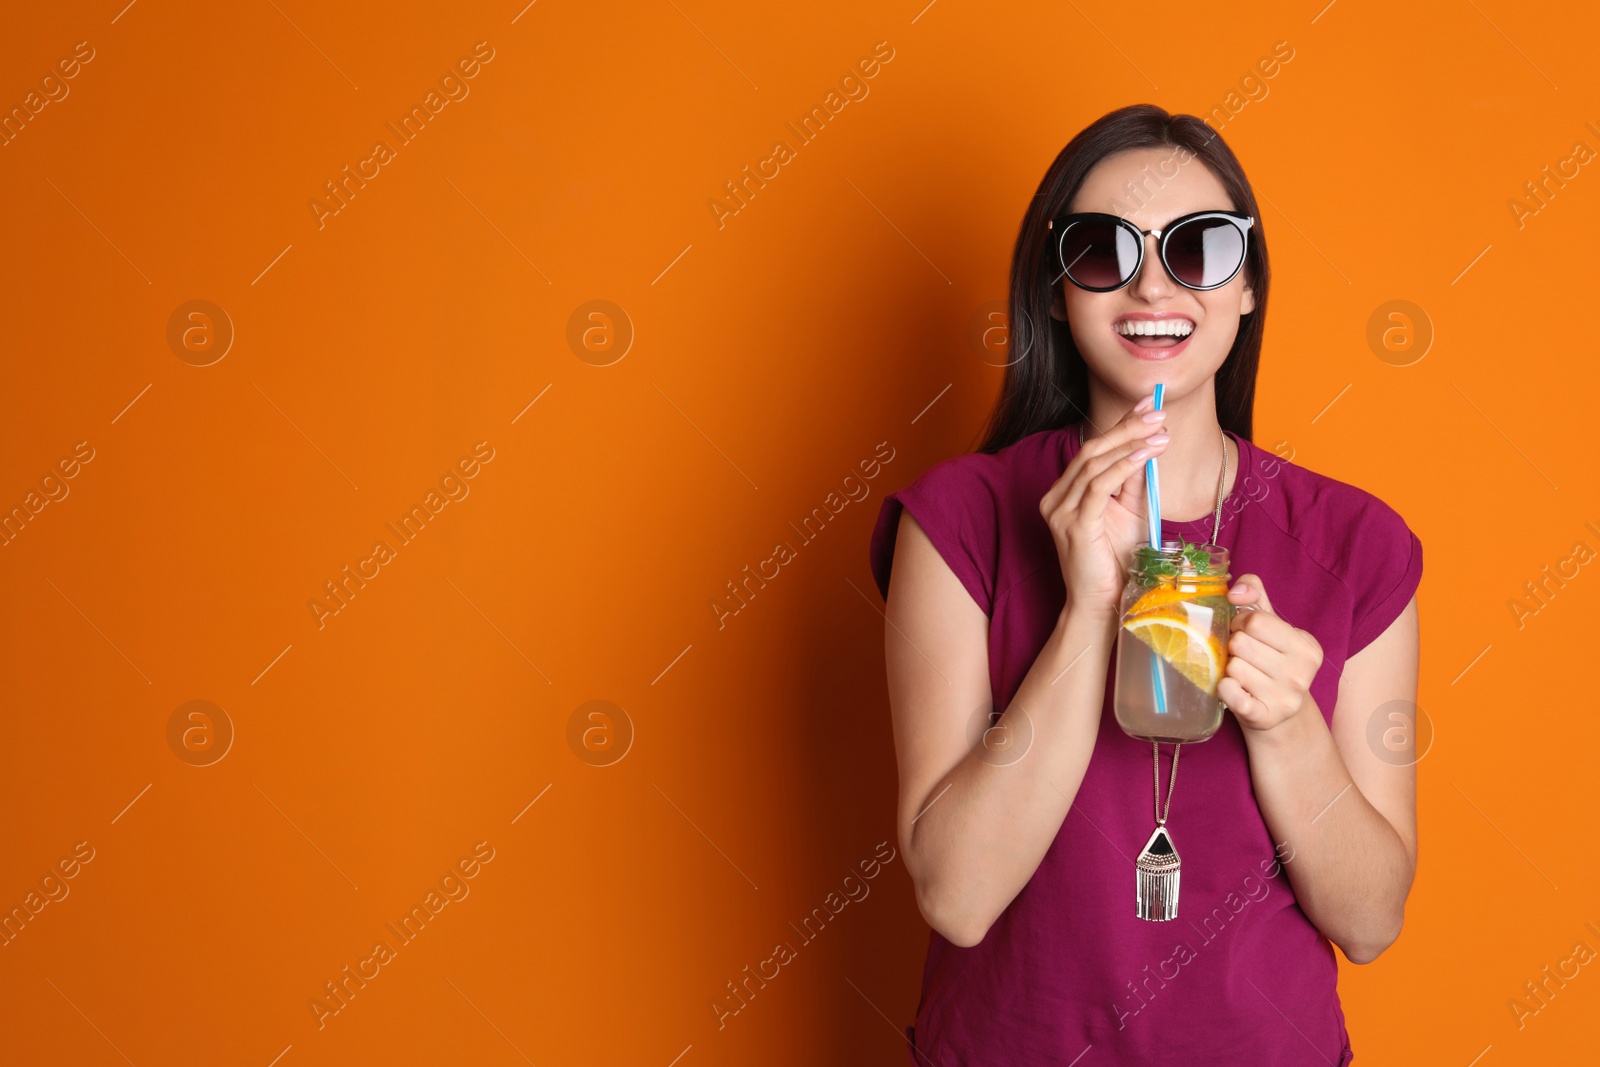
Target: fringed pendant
(1156, 895)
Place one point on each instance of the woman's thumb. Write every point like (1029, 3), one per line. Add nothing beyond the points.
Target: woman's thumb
(1131, 493)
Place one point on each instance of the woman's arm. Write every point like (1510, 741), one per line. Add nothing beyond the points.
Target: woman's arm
(975, 819)
(1347, 814)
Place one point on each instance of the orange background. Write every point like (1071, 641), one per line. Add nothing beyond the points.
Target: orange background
(769, 356)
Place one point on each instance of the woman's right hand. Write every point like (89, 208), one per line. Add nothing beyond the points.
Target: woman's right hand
(1096, 509)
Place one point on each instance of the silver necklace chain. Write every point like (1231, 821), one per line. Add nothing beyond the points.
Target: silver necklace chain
(1161, 816)
(1155, 749)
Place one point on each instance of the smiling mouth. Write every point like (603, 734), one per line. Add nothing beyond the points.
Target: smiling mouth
(1154, 333)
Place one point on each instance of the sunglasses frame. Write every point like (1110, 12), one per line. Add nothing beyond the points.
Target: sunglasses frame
(1062, 223)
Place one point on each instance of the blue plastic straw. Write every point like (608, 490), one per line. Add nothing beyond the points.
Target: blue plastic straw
(1152, 486)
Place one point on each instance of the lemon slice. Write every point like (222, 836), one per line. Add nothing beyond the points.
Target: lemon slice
(1193, 651)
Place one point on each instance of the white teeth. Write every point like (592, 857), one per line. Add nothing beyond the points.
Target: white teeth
(1155, 327)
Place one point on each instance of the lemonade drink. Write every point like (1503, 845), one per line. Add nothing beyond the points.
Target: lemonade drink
(1173, 635)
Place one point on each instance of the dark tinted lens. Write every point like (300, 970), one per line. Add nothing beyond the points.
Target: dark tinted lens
(1204, 252)
(1099, 253)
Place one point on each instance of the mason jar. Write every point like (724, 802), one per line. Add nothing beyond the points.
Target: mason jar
(1172, 642)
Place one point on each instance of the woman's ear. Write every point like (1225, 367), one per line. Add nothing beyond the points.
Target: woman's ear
(1058, 303)
(1247, 300)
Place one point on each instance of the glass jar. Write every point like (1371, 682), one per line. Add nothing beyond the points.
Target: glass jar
(1172, 642)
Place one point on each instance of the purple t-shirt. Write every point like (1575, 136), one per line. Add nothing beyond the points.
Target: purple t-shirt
(1241, 976)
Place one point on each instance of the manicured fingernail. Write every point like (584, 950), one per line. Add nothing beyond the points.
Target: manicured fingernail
(1141, 454)
(1145, 403)
(1153, 416)
(1158, 438)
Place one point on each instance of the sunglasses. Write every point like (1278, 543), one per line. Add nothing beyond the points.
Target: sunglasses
(1102, 253)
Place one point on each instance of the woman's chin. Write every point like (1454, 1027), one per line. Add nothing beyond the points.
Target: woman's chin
(1134, 378)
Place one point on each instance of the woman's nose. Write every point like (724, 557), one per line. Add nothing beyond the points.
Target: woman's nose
(1153, 283)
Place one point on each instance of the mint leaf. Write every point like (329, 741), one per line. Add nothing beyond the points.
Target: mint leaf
(1152, 567)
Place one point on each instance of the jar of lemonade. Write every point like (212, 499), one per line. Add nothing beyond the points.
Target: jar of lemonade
(1172, 642)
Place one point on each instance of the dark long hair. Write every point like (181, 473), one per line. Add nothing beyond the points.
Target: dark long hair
(1047, 382)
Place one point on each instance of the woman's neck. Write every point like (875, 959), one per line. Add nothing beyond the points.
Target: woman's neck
(1192, 460)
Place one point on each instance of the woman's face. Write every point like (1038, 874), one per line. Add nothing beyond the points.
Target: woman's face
(1131, 366)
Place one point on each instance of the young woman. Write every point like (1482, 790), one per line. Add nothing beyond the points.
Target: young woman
(1142, 260)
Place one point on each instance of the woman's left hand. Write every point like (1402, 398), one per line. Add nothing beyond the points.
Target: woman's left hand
(1270, 663)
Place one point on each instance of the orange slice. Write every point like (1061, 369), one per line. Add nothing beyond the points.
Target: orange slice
(1193, 651)
(1168, 596)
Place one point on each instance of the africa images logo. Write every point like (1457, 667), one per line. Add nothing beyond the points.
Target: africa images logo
(453, 84)
(811, 526)
(453, 485)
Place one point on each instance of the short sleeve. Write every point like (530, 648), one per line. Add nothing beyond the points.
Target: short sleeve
(1384, 566)
(956, 502)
